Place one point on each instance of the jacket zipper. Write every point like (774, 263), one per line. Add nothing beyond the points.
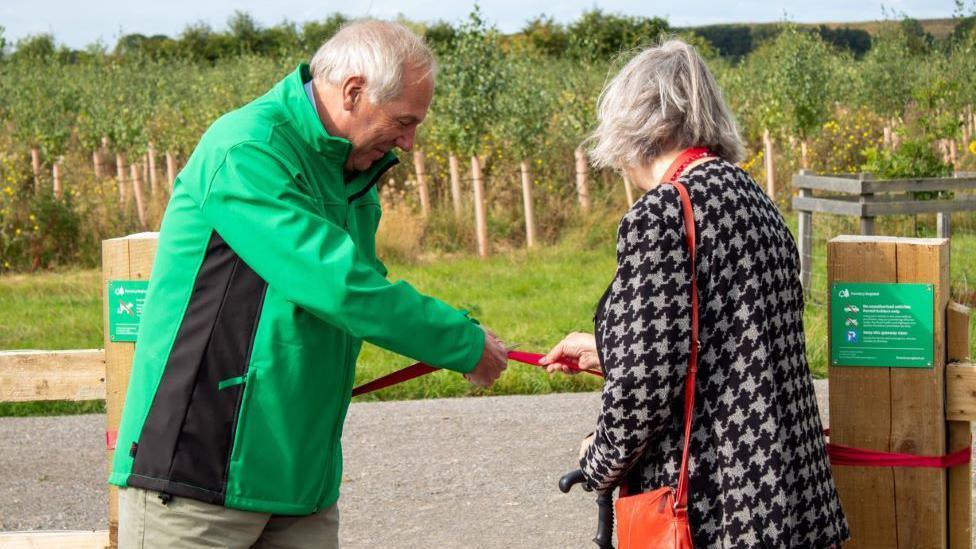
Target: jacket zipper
(379, 173)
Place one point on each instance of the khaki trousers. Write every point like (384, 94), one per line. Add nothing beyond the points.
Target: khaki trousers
(146, 523)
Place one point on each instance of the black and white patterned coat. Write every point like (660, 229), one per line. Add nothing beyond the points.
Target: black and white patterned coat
(759, 473)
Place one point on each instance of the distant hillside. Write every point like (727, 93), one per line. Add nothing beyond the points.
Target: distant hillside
(736, 40)
(938, 28)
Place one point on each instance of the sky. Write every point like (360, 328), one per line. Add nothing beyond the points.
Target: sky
(78, 23)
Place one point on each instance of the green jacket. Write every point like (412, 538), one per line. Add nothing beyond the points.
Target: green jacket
(264, 286)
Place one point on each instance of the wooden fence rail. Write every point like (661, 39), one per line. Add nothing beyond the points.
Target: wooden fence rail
(27, 376)
(866, 198)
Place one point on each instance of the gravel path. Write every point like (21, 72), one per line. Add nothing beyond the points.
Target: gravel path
(474, 472)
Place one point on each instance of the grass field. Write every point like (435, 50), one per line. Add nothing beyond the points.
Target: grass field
(528, 298)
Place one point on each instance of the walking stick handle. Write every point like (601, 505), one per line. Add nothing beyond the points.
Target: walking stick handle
(570, 479)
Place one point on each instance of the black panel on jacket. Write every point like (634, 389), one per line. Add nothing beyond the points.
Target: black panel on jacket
(185, 444)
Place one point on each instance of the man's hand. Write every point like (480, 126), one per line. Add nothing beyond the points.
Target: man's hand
(494, 360)
(578, 347)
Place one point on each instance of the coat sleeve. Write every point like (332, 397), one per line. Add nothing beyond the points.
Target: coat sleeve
(255, 202)
(643, 338)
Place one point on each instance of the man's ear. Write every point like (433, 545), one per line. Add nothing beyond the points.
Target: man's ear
(353, 89)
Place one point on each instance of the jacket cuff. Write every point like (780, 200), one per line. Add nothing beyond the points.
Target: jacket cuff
(475, 338)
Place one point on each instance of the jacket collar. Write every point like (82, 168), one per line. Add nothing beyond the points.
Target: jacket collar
(302, 113)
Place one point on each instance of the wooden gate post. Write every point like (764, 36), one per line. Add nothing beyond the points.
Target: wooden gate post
(960, 435)
(582, 177)
(455, 169)
(419, 162)
(480, 211)
(628, 189)
(527, 206)
(126, 258)
(892, 409)
(770, 165)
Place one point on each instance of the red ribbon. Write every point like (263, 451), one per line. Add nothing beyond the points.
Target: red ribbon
(860, 457)
(420, 369)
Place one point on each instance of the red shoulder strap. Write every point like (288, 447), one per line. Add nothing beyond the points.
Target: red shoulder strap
(688, 214)
(689, 219)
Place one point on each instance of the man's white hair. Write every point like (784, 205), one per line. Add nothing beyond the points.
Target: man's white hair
(665, 98)
(377, 51)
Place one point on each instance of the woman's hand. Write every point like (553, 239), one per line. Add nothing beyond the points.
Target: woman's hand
(576, 347)
(585, 445)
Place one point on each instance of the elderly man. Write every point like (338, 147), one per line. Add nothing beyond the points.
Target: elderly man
(265, 284)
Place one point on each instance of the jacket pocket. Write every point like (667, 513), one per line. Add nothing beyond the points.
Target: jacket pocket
(243, 388)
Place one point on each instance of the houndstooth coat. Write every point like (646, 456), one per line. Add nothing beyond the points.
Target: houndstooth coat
(759, 473)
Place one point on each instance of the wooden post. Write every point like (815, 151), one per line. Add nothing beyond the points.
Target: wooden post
(527, 204)
(582, 176)
(127, 258)
(960, 436)
(805, 244)
(137, 193)
(56, 177)
(867, 226)
(105, 154)
(480, 217)
(866, 222)
(770, 172)
(943, 224)
(36, 168)
(97, 162)
(153, 181)
(120, 175)
(966, 129)
(170, 169)
(804, 156)
(887, 137)
(972, 122)
(892, 409)
(452, 161)
(629, 189)
(953, 153)
(421, 169)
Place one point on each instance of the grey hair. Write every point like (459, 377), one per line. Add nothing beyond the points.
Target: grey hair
(377, 51)
(665, 98)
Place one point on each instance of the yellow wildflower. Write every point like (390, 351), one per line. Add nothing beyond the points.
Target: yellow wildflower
(972, 147)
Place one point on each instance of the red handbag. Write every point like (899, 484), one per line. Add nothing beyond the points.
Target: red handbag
(659, 519)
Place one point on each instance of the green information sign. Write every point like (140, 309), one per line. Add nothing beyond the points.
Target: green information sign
(888, 325)
(125, 301)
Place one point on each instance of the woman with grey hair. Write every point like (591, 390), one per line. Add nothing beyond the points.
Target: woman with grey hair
(758, 474)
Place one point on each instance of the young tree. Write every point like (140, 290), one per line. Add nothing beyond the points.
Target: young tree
(471, 83)
(525, 113)
(888, 74)
(787, 82)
